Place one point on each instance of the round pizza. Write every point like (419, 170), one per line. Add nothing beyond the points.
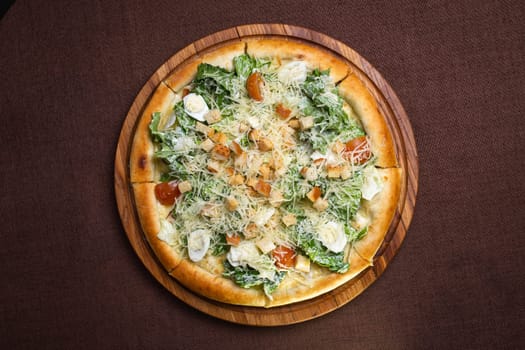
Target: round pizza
(264, 173)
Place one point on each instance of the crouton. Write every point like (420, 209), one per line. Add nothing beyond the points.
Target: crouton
(314, 194)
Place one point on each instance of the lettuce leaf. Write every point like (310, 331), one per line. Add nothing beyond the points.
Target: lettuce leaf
(307, 242)
(247, 277)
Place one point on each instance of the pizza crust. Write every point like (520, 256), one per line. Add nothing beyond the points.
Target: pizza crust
(292, 291)
(142, 165)
(148, 213)
(216, 287)
(224, 54)
(381, 210)
(364, 105)
(288, 50)
(221, 56)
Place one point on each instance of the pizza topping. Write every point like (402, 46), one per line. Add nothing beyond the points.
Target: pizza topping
(198, 244)
(293, 72)
(202, 128)
(213, 116)
(168, 233)
(207, 145)
(220, 152)
(245, 253)
(263, 216)
(265, 245)
(357, 150)
(306, 123)
(289, 220)
(314, 194)
(184, 186)
(233, 239)
(231, 203)
(253, 85)
(167, 192)
(332, 235)
(320, 204)
(302, 263)
(284, 257)
(195, 106)
(263, 188)
(282, 111)
(372, 183)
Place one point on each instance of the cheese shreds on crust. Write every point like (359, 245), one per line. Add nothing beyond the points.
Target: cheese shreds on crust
(242, 171)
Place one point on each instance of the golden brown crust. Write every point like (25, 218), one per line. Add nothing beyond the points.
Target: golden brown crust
(216, 287)
(142, 163)
(221, 56)
(287, 50)
(291, 291)
(148, 212)
(224, 54)
(381, 210)
(183, 75)
(363, 103)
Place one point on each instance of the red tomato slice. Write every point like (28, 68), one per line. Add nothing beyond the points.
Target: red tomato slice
(253, 85)
(167, 192)
(284, 256)
(357, 150)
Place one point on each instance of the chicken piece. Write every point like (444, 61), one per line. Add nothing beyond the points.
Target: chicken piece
(207, 145)
(184, 186)
(213, 116)
(306, 122)
(309, 173)
(202, 128)
(289, 220)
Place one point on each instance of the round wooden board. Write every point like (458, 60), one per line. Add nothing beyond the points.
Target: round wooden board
(403, 136)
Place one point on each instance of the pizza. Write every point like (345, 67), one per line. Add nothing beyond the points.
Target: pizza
(263, 173)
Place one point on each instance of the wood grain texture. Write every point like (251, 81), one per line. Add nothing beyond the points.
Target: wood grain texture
(398, 122)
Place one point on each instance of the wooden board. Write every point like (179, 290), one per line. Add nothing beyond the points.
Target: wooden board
(407, 157)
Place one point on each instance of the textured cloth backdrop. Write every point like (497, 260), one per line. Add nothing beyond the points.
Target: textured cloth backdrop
(69, 73)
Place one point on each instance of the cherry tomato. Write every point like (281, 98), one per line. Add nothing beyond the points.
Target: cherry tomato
(357, 149)
(234, 239)
(253, 85)
(167, 192)
(282, 111)
(284, 256)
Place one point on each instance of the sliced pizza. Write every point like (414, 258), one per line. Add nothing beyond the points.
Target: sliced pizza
(264, 173)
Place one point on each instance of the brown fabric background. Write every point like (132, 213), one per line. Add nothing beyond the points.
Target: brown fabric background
(69, 72)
